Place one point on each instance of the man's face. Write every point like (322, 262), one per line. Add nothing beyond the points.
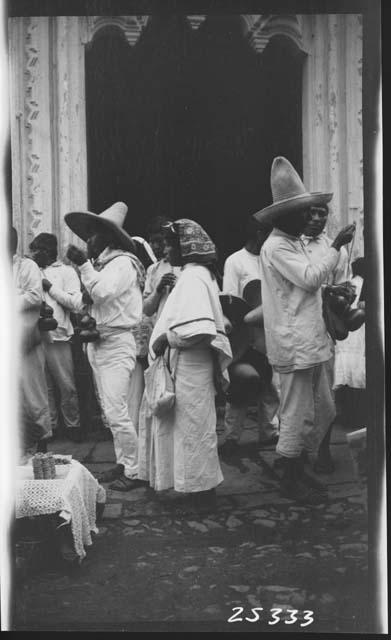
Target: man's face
(40, 255)
(262, 235)
(96, 244)
(316, 221)
(156, 240)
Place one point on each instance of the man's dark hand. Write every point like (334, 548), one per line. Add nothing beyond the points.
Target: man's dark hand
(76, 255)
(160, 345)
(344, 236)
(168, 280)
(86, 298)
(46, 284)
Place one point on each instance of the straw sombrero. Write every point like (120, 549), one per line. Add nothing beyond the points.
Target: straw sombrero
(84, 223)
(289, 193)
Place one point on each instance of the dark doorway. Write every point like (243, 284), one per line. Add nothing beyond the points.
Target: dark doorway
(186, 123)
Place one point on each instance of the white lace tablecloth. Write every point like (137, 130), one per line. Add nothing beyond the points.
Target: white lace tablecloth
(74, 493)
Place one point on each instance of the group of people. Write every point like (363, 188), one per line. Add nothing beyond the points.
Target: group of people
(161, 309)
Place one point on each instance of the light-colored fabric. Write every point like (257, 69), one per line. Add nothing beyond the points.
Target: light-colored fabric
(307, 409)
(153, 300)
(28, 283)
(318, 247)
(74, 494)
(64, 296)
(193, 309)
(239, 269)
(183, 451)
(136, 391)
(29, 296)
(33, 386)
(116, 295)
(179, 450)
(350, 353)
(296, 335)
(112, 361)
(34, 390)
(61, 380)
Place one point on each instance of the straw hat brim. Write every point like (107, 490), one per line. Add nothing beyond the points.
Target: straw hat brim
(84, 224)
(270, 214)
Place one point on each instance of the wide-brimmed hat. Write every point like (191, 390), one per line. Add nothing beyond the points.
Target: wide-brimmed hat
(234, 308)
(84, 223)
(289, 193)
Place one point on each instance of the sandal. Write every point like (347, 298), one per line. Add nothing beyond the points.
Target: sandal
(127, 484)
(111, 474)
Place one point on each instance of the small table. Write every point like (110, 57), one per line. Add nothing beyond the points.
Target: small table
(74, 494)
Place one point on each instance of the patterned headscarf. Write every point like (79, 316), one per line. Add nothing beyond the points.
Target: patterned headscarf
(195, 244)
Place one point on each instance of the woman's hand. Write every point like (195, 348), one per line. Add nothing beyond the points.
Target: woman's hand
(168, 280)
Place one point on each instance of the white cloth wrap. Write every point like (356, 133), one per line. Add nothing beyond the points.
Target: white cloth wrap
(74, 496)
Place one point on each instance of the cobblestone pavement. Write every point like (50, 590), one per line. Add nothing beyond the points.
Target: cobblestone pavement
(154, 563)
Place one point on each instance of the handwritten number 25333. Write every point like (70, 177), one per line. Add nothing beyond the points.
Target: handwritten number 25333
(307, 616)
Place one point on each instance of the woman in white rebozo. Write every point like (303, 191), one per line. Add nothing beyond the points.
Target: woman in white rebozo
(183, 448)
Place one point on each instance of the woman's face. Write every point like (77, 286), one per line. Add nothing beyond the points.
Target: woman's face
(172, 252)
(156, 240)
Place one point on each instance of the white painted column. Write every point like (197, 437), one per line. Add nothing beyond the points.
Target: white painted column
(354, 160)
(69, 134)
(332, 128)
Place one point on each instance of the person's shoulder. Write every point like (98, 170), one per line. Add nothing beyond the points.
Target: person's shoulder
(275, 241)
(28, 264)
(66, 269)
(235, 256)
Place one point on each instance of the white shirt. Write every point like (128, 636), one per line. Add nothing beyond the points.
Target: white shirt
(116, 295)
(318, 247)
(28, 283)
(296, 335)
(239, 269)
(64, 296)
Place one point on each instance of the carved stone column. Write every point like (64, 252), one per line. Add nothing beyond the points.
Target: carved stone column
(31, 127)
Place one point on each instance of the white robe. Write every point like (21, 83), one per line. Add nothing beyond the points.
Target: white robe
(180, 450)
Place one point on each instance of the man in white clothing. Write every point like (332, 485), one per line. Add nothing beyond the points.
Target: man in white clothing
(317, 243)
(114, 286)
(62, 292)
(298, 344)
(35, 417)
(241, 268)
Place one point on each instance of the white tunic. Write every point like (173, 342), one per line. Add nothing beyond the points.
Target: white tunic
(182, 448)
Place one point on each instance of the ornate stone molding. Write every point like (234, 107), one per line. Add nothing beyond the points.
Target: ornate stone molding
(196, 21)
(261, 28)
(131, 26)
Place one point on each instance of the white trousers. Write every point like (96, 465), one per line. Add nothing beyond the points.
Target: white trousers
(307, 409)
(34, 390)
(112, 361)
(61, 378)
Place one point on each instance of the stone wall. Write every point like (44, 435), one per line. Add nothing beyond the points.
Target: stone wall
(47, 111)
